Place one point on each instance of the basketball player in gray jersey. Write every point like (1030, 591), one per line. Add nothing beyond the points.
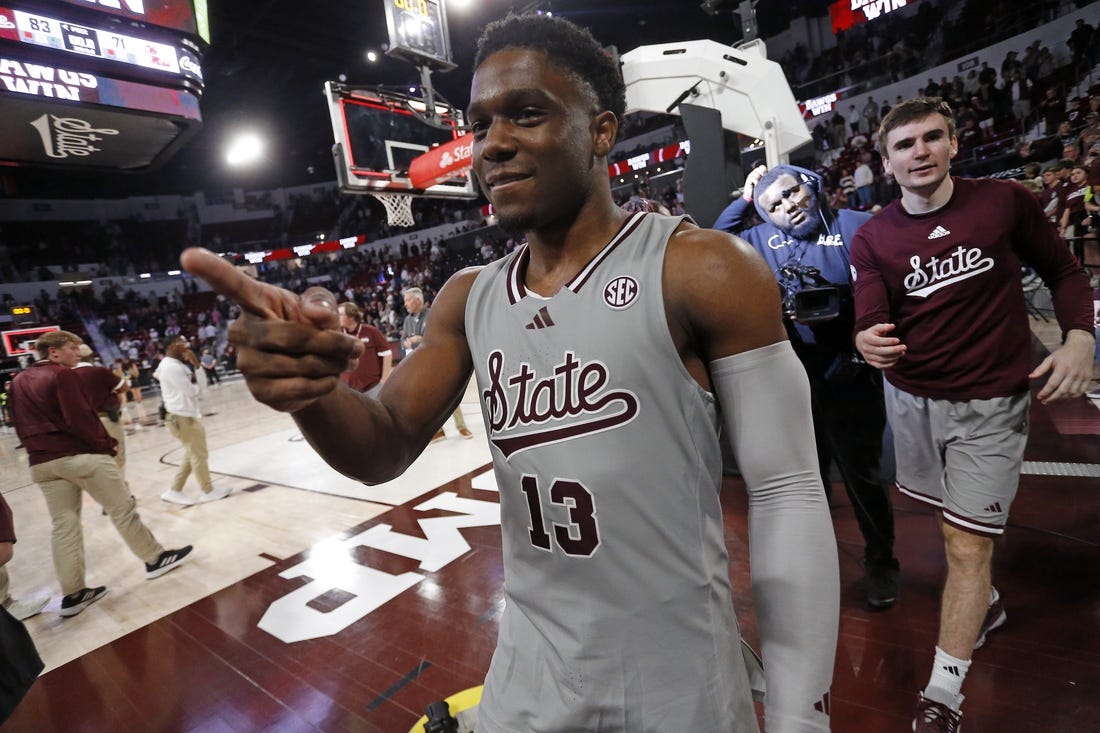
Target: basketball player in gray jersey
(605, 350)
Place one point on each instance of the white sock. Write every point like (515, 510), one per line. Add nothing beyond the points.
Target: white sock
(948, 673)
(993, 595)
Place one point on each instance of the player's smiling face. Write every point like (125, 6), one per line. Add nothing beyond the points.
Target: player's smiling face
(534, 128)
(919, 153)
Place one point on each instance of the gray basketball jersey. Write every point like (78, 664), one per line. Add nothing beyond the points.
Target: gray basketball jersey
(619, 612)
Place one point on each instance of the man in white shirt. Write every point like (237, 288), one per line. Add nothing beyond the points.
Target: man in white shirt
(864, 178)
(179, 391)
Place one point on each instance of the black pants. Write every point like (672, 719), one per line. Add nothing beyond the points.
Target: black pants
(849, 421)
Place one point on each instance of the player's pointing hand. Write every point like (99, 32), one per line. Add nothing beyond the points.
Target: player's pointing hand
(288, 346)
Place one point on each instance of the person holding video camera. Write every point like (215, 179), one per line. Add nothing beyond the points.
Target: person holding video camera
(806, 244)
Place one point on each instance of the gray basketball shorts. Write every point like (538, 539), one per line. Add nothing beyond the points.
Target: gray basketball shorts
(960, 456)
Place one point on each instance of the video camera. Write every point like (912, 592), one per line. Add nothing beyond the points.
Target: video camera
(808, 298)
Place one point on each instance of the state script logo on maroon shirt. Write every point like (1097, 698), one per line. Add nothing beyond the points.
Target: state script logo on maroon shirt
(939, 272)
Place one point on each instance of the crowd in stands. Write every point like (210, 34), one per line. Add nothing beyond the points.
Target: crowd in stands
(1031, 119)
(1030, 111)
(898, 45)
(890, 49)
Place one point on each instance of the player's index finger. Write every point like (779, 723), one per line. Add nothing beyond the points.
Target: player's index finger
(227, 280)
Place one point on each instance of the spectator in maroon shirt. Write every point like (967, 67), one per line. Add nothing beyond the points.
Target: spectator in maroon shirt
(377, 360)
(70, 452)
(939, 308)
(102, 388)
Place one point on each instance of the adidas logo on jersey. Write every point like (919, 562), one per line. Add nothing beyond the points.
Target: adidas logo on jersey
(994, 508)
(542, 319)
(938, 232)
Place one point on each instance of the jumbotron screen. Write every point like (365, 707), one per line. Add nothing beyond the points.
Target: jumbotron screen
(98, 84)
(179, 15)
(847, 13)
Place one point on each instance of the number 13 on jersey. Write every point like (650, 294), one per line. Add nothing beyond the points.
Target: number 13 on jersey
(581, 536)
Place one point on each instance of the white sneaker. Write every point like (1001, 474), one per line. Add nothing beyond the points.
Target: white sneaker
(25, 609)
(177, 497)
(214, 495)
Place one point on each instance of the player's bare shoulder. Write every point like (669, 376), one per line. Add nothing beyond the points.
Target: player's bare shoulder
(720, 295)
(449, 307)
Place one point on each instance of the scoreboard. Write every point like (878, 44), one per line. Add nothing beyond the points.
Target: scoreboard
(180, 15)
(99, 84)
(418, 32)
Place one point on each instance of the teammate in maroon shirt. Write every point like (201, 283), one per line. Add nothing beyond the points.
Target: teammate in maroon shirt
(939, 307)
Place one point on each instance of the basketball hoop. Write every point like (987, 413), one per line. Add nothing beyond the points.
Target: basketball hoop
(398, 208)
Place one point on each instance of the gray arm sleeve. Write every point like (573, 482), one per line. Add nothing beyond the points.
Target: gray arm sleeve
(765, 398)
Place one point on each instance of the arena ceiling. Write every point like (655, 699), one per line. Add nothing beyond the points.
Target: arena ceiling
(269, 59)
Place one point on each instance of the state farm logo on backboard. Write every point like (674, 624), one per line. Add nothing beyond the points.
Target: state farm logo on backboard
(63, 137)
(460, 153)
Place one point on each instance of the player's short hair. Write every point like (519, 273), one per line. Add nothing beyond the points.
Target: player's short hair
(570, 46)
(54, 340)
(351, 310)
(414, 292)
(912, 110)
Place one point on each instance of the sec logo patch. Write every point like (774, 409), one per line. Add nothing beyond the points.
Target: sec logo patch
(620, 292)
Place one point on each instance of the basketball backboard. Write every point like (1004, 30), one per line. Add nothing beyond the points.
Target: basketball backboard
(20, 341)
(378, 134)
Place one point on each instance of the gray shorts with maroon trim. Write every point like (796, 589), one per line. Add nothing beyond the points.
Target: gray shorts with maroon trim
(963, 456)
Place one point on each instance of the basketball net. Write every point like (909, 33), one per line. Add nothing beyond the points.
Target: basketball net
(398, 208)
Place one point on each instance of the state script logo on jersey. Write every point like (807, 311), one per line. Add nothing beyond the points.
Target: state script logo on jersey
(572, 401)
(620, 292)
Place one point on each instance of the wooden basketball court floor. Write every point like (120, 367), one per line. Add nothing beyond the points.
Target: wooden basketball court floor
(315, 604)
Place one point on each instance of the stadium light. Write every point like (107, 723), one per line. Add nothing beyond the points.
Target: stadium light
(244, 150)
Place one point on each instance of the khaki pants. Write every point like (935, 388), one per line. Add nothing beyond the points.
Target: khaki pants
(192, 434)
(460, 421)
(62, 481)
(116, 431)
